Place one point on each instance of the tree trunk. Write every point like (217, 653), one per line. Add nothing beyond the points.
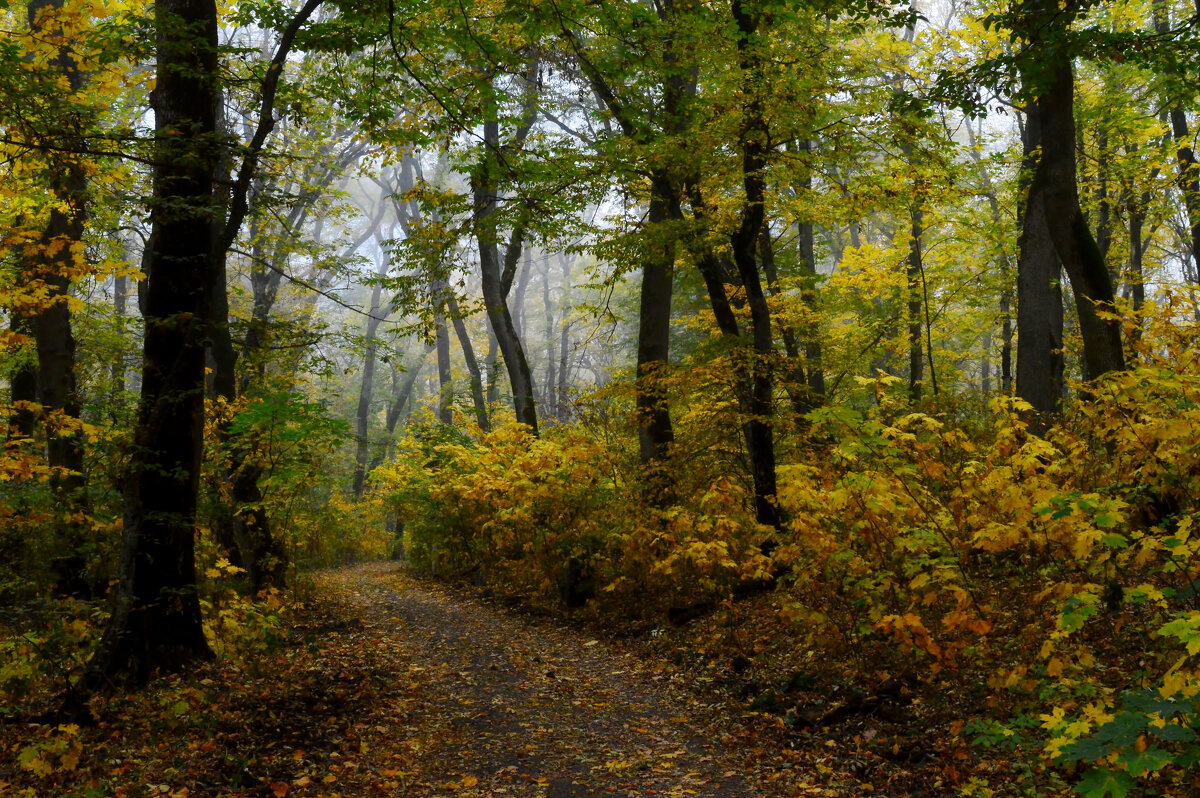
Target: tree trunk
(54, 262)
(655, 434)
(402, 391)
(755, 138)
(22, 383)
(156, 624)
(441, 337)
(813, 360)
(362, 415)
(914, 273)
(484, 190)
(1039, 294)
(493, 368)
(1055, 181)
(549, 397)
(1136, 276)
(1006, 333)
(464, 343)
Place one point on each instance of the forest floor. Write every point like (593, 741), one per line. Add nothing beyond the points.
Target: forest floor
(388, 685)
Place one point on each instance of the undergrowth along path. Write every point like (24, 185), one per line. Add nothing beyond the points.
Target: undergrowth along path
(495, 703)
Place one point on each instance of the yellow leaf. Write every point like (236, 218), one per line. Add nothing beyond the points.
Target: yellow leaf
(469, 781)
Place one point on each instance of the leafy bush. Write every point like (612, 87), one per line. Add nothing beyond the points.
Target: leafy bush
(1061, 569)
(548, 518)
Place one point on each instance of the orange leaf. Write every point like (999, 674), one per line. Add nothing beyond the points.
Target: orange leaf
(279, 789)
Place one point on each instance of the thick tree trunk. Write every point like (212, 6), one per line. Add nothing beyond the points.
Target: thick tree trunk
(1055, 181)
(54, 262)
(655, 434)
(22, 382)
(1039, 293)
(156, 624)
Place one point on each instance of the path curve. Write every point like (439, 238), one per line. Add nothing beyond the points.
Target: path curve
(486, 702)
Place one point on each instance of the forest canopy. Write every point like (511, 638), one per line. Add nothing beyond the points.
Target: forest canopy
(881, 315)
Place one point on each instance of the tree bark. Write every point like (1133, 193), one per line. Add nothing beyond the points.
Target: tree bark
(362, 414)
(484, 186)
(156, 623)
(464, 343)
(755, 138)
(655, 434)
(1039, 293)
(53, 262)
(914, 272)
(1055, 180)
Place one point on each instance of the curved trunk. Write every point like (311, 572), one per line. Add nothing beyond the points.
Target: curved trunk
(1056, 181)
(484, 191)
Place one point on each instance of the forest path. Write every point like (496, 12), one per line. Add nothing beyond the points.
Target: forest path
(457, 697)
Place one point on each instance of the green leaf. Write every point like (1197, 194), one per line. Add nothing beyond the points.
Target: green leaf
(1172, 733)
(1100, 782)
(1139, 762)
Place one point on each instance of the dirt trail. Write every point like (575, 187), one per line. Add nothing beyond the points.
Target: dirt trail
(467, 699)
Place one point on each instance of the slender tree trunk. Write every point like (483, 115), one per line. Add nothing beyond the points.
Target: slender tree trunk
(518, 303)
(1185, 156)
(464, 343)
(805, 382)
(1136, 277)
(562, 399)
(744, 242)
(117, 369)
(814, 363)
(445, 402)
(914, 273)
(1006, 333)
(402, 392)
(493, 362)
(362, 415)
(484, 189)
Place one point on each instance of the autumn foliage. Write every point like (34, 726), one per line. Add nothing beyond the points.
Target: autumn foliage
(954, 546)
